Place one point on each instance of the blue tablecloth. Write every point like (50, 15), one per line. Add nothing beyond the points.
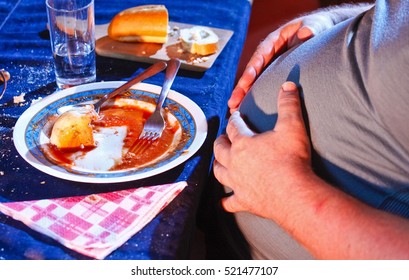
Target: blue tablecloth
(25, 53)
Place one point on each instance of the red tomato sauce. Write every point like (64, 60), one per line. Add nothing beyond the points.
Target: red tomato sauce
(133, 118)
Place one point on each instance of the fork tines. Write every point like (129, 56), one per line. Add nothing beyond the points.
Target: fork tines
(139, 146)
(142, 143)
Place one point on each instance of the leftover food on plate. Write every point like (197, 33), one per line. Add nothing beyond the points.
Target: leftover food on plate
(73, 130)
(80, 139)
(109, 160)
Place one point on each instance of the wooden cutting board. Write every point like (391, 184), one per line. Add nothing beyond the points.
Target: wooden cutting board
(152, 52)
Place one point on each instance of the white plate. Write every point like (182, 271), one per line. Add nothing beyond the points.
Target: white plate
(29, 127)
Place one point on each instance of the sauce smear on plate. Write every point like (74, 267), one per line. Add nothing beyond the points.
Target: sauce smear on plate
(115, 131)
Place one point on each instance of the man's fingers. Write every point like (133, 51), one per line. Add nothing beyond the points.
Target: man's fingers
(235, 99)
(248, 77)
(230, 204)
(257, 62)
(220, 172)
(266, 48)
(289, 108)
(317, 23)
(237, 127)
(304, 34)
(221, 148)
(243, 85)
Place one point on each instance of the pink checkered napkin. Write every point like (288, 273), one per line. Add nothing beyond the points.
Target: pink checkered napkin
(94, 225)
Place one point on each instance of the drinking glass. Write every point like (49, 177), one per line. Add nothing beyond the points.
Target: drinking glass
(72, 34)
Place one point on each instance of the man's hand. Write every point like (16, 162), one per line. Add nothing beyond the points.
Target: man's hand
(289, 35)
(260, 168)
(273, 45)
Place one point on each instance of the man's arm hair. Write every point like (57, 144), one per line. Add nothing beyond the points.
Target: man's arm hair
(324, 18)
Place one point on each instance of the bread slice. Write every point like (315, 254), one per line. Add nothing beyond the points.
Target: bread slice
(199, 40)
(73, 131)
(147, 23)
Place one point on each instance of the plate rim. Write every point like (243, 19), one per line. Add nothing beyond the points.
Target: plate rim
(20, 130)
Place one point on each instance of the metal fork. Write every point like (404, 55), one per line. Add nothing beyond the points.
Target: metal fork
(155, 124)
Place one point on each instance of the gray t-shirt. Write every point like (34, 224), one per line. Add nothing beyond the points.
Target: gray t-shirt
(354, 84)
(354, 80)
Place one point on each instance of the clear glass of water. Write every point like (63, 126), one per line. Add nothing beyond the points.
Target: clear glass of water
(72, 33)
